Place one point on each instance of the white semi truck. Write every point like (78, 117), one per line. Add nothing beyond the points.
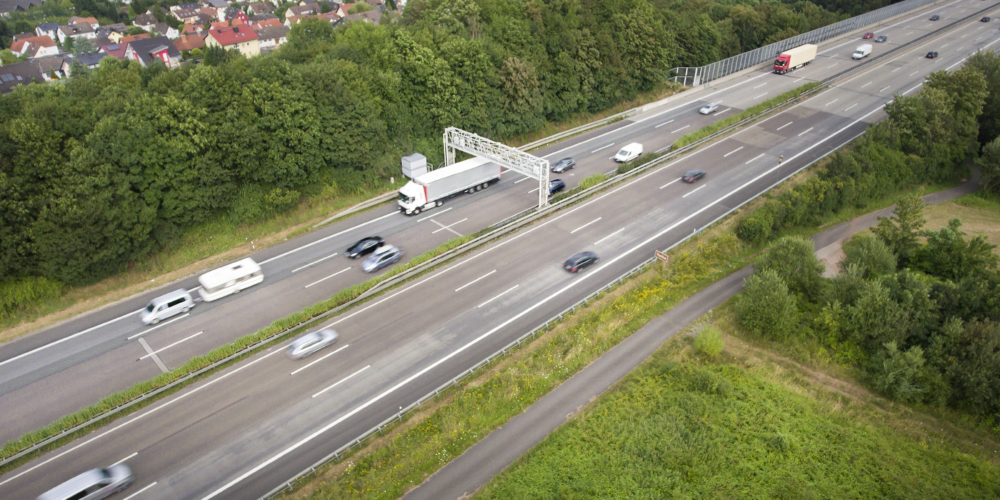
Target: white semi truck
(432, 188)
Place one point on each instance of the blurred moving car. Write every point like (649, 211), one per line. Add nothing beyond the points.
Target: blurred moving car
(579, 261)
(711, 107)
(629, 153)
(985, 19)
(385, 255)
(563, 165)
(693, 175)
(932, 55)
(935, 17)
(165, 306)
(868, 35)
(881, 38)
(364, 246)
(311, 342)
(556, 185)
(93, 484)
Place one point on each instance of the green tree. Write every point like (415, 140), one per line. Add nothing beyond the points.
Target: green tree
(988, 63)
(948, 255)
(974, 297)
(766, 307)
(869, 253)
(360, 7)
(900, 232)
(8, 57)
(875, 319)
(709, 341)
(971, 364)
(793, 260)
(905, 376)
(83, 46)
(989, 165)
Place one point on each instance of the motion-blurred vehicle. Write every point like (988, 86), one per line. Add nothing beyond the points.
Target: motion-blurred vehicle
(364, 246)
(881, 39)
(693, 175)
(932, 55)
(985, 19)
(92, 485)
(385, 255)
(563, 165)
(629, 153)
(556, 185)
(311, 342)
(579, 261)
(165, 306)
(868, 35)
(935, 17)
(711, 107)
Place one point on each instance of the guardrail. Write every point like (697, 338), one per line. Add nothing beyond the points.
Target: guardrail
(704, 74)
(527, 337)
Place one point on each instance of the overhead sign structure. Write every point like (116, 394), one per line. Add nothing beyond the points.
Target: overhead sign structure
(511, 158)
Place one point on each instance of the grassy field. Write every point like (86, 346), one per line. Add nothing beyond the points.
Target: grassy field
(750, 424)
(980, 214)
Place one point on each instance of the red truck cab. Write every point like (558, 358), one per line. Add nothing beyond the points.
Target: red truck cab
(781, 63)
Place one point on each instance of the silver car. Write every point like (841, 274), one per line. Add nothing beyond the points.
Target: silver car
(386, 255)
(311, 342)
(711, 107)
(93, 484)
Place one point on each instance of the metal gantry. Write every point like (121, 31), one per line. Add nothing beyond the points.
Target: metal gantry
(511, 158)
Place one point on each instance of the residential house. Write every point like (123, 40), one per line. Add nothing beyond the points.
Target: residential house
(88, 20)
(218, 4)
(163, 29)
(262, 17)
(79, 30)
(261, 8)
(89, 61)
(51, 66)
(184, 6)
(185, 15)
(35, 46)
(204, 19)
(238, 37)
(292, 20)
(9, 6)
(303, 10)
(115, 50)
(150, 50)
(331, 17)
(47, 29)
(127, 39)
(369, 16)
(342, 10)
(26, 34)
(145, 21)
(210, 12)
(232, 13)
(266, 23)
(190, 28)
(22, 73)
(271, 37)
(190, 42)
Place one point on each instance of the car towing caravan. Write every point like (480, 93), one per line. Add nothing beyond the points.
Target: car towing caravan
(229, 279)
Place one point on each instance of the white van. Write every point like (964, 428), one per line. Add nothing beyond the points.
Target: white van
(862, 51)
(230, 279)
(166, 306)
(629, 153)
(92, 485)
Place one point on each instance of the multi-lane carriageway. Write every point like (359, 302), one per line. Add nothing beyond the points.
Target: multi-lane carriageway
(246, 429)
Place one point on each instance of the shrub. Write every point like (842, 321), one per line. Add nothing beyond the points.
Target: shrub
(870, 254)
(592, 181)
(766, 307)
(17, 294)
(905, 377)
(253, 204)
(755, 227)
(792, 258)
(709, 341)
(948, 255)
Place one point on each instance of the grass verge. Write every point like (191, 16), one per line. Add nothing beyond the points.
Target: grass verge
(748, 424)
(747, 113)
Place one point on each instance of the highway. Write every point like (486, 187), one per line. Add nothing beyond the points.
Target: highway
(244, 430)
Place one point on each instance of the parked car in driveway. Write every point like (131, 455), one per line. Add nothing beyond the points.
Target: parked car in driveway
(868, 35)
(563, 165)
(932, 55)
(579, 261)
(311, 342)
(385, 255)
(881, 39)
(709, 108)
(92, 485)
(693, 175)
(935, 17)
(629, 153)
(556, 185)
(364, 246)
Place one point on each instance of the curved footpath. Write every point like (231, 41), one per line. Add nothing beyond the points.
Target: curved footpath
(463, 476)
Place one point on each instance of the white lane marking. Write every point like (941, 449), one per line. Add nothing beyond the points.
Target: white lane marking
(960, 48)
(884, 89)
(945, 45)
(832, 65)
(867, 84)
(533, 190)
(723, 111)
(602, 147)
(156, 359)
(328, 237)
(799, 80)
(755, 158)
(150, 412)
(497, 297)
(585, 225)
(610, 235)
(762, 95)
(849, 107)
(171, 345)
(965, 35)
(759, 86)
(609, 172)
(522, 180)
(161, 325)
(314, 262)
(475, 280)
(345, 379)
(124, 459)
(908, 34)
(831, 102)
(783, 126)
(691, 192)
(130, 497)
(806, 131)
(669, 183)
(897, 69)
(664, 123)
(731, 152)
(449, 208)
(682, 128)
(64, 339)
(915, 72)
(448, 227)
(328, 277)
(320, 359)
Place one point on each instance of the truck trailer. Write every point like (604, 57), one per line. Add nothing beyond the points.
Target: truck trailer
(794, 58)
(431, 189)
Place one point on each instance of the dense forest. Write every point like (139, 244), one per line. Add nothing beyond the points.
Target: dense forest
(113, 164)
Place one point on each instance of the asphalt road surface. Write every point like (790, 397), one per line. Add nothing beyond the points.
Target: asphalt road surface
(246, 429)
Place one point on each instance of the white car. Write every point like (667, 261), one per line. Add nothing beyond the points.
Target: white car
(629, 153)
(311, 342)
(709, 108)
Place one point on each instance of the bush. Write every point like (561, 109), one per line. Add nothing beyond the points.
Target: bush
(253, 204)
(592, 181)
(766, 307)
(948, 255)
(792, 258)
(709, 341)
(755, 227)
(17, 294)
(905, 377)
(870, 254)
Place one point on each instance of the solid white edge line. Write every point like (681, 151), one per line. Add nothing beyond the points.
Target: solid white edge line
(449, 208)
(585, 225)
(165, 323)
(320, 359)
(475, 280)
(498, 296)
(731, 152)
(124, 459)
(610, 235)
(328, 277)
(171, 345)
(669, 183)
(327, 237)
(314, 262)
(345, 379)
(692, 191)
(130, 497)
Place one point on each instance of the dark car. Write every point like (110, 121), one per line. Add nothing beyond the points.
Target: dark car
(868, 35)
(364, 246)
(931, 55)
(881, 38)
(563, 165)
(935, 17)
(985, 19)
(579, 261)
(556, 185)
(693, 175)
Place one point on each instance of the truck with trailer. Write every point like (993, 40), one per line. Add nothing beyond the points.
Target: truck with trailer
(430, 189)
(794, 58)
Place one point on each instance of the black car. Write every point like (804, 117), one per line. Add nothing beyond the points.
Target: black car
(364, 246)
(935, 17)
(985, 19)
(579, 261)
(931, 55)
(693, 175)
(563, 165)
(556, 185)
(881, 38)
